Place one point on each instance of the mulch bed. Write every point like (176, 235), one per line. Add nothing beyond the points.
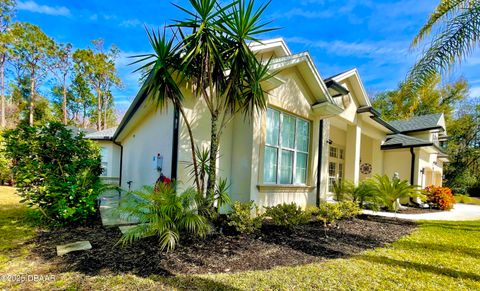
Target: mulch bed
(416, 210)
(218, 253)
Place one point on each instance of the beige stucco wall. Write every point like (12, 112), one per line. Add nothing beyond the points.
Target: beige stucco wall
(397, 161)
(152, 135)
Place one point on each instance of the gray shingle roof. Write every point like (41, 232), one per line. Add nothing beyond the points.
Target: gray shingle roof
(417, 123)
(401, 140)
(102, 134)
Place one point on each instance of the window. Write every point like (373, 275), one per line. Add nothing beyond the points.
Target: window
(103, 156)
(286, 149)
(336, 162)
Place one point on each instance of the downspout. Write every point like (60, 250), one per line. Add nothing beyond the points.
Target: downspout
(121, 162)
(412, 166)
(319, 167)
(175, 143)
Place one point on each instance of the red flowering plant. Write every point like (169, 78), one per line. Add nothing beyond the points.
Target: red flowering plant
(441, 197)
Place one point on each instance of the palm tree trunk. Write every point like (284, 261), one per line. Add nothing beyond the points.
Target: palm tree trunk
(2, 84)
(192, 145)
(212, 171)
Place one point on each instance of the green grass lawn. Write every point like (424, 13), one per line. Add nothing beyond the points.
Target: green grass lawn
(467, 199)
(438, 256)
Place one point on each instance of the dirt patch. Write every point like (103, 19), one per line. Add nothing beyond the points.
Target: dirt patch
(270, 247)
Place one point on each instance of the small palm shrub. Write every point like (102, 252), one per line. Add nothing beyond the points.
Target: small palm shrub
(240, 217)
(342, 190)
(441, 197)
(365, 197)
(389, 190)
(163, 213)
(287, 215)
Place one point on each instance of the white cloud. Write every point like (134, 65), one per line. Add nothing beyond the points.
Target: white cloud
(32, 6)
(475, 91)
(131, 23)
(303, 13)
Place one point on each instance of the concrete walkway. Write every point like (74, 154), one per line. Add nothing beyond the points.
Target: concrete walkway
(459, 212)
(108, 210)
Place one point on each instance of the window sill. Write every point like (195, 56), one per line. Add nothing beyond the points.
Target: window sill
(284, 188)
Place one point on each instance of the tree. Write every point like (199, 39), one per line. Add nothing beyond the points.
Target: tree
(7, 10)
(33, 51)
(61, 67)
(430, 98)
(98, 69)
(224, 71)
(457, 34)
(84, 97)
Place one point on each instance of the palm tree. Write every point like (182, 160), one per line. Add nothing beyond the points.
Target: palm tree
(218, 62)
(458, 34)
(162, 213)
(161, 78)
(390, 190)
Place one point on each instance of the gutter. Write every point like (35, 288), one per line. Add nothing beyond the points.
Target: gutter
(175, 143)
(376, 116)
(412, 166)
(319, 167)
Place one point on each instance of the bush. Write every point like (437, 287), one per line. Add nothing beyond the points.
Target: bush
(55, 170)
(287, 215)
(163, 213)
(441, 197)
(349, 209)
(329, 213)
(240, 217)
(389, 190)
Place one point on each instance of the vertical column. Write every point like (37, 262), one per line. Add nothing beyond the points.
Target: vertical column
(377, 157)
(352, 153)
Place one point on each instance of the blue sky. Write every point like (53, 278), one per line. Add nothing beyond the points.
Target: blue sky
(373, 36)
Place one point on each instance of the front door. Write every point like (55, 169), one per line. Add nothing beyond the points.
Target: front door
(336, 165)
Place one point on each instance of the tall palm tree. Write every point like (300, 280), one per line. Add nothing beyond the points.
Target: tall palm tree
(217, 60)
(457, 24)
(161, 78)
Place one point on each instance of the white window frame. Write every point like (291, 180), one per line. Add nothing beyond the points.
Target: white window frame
(279, 148)
(104, 161)
(338, 159)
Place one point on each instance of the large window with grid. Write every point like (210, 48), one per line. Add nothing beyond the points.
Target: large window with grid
(286, 149)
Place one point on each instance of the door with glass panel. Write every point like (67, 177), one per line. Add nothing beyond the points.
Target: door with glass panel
(286, 149)
(336, 165)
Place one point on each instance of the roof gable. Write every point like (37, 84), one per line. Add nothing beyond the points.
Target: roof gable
(353, 78)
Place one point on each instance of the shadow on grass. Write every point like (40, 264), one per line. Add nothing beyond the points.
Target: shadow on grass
(420, 267)
(442, 248)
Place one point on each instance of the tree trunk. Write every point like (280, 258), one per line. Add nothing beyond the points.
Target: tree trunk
(84, 124)
(192, 145)
(105, 114)
(32, 99)
(64, 105)
(212, 171)
(2, 84)
(99, 110)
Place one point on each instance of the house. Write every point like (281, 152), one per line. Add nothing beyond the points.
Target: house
(315, 131)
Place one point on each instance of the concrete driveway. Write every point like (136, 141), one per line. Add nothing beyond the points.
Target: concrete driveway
(459, 212)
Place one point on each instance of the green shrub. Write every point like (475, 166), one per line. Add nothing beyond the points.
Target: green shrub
(55, 170)
(343, 189)
(240, 217)
(163, 213)
(312, 210)
(349, 209)
(329, 213)
(287, 215)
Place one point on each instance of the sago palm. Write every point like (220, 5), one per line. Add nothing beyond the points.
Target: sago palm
(389, 190)
(162, 213)
(457, 34)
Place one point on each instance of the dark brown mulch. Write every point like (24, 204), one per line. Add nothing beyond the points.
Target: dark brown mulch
(416, 210)
(272, 246)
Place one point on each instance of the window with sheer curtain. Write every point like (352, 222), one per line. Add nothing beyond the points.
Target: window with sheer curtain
(286, 149)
